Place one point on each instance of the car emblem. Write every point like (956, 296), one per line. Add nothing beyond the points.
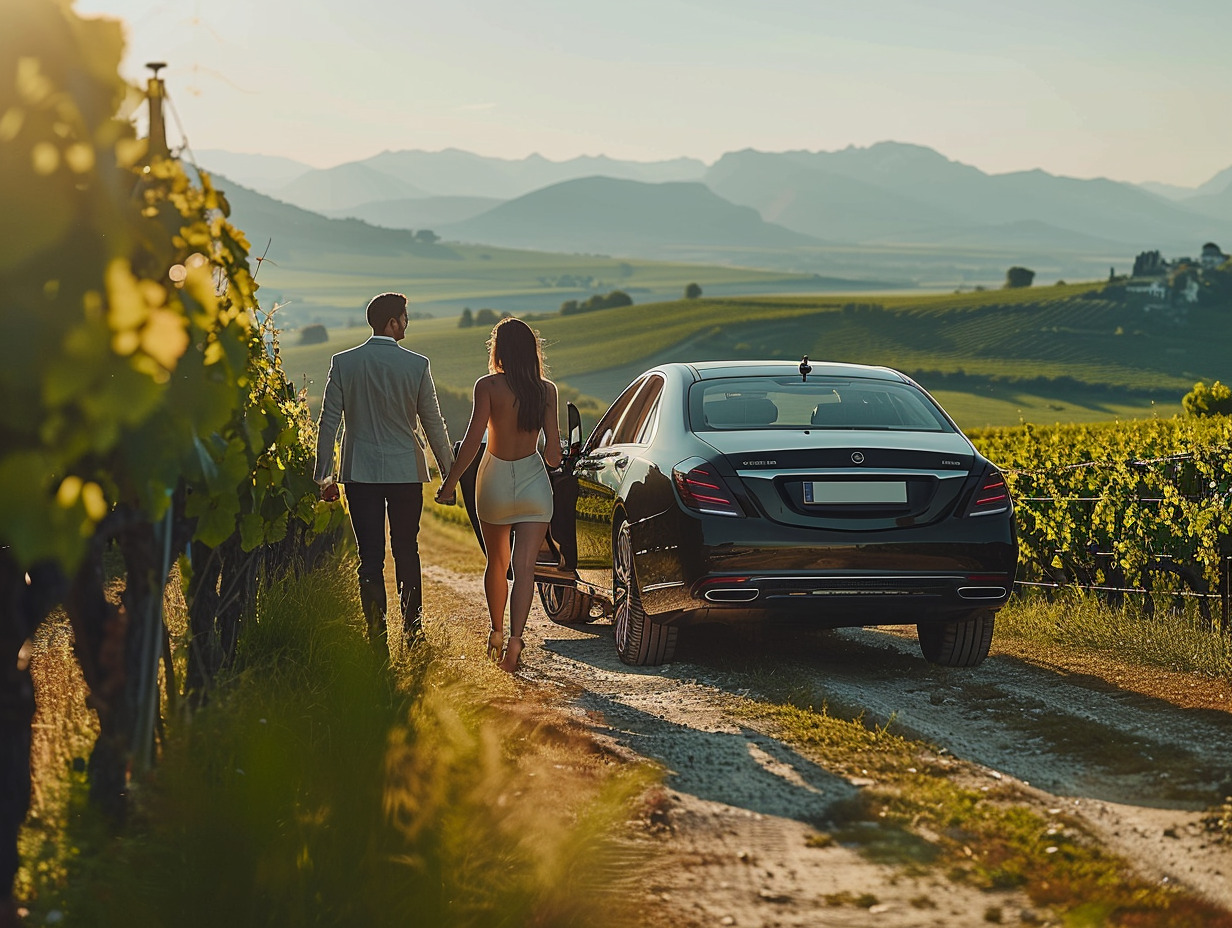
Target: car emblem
(857, 457)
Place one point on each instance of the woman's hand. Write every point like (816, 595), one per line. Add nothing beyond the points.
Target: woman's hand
(444, 499)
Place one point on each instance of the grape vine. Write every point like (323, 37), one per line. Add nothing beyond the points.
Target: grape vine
(1119, 503)
(145, 410)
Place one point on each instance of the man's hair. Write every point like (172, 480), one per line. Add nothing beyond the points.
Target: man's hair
(384, 307)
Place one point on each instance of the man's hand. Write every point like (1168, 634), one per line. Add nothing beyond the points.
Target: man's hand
(330, 493)
(443, 500)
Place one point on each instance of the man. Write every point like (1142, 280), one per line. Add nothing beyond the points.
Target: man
(380, 389)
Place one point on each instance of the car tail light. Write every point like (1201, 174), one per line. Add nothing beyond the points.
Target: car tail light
(703, 490)
(991, 496)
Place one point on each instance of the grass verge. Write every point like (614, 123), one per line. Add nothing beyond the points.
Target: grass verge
(916, 811)
(322, 786)
(1182, 642)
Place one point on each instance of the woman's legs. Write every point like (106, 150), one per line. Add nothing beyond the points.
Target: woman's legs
(496, 575)
(528, 539)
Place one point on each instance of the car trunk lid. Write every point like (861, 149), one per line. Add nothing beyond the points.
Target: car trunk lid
(865, 480)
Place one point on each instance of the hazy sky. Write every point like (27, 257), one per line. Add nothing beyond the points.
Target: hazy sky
(1117, 88)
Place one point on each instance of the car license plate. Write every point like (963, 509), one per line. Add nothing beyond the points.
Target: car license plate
(832, 492)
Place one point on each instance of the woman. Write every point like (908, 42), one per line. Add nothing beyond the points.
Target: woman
(514, 403)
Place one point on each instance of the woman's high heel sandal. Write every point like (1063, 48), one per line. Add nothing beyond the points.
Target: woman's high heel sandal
(496, 638)
(512, 658)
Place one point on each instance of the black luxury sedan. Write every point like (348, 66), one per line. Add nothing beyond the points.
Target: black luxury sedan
(832, 494)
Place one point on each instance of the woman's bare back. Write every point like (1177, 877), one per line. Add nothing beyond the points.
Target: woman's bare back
(505, 439)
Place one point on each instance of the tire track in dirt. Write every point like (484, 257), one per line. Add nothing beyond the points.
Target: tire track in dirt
(739, 805)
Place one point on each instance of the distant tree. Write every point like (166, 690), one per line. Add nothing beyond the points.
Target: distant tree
(596, 301)
(1215, 400)
(506, 314)
(486, 318)
(467, 319)
(692, 291)
(1019, 277)
(313, 335)
(427, 236)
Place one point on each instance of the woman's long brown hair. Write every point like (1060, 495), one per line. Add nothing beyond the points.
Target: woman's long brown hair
(513, 350)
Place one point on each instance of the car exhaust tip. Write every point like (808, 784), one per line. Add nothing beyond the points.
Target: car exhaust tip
(732, 595)
(982, 592)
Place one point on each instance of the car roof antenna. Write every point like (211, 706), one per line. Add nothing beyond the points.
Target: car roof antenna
(805, 369)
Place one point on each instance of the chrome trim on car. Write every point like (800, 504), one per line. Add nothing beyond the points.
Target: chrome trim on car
(732, 595)
(864, 472)
(982, 592)
(894, 578)
(652, 587)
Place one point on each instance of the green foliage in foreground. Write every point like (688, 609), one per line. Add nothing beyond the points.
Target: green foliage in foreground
(320, 787)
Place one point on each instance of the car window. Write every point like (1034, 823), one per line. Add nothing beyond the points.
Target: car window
(605, 431)
(744, 403)
(648, 423)
(635, 416)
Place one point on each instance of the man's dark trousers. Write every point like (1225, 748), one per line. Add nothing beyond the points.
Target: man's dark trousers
(369, 503)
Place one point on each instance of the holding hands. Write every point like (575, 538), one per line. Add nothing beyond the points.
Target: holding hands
(446, 495)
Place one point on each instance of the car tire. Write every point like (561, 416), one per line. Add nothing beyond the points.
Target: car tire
(961, 643)
(566, 605)
(639, 641)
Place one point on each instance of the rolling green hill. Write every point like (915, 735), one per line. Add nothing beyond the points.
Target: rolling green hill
(325, 270)
(1055, 354)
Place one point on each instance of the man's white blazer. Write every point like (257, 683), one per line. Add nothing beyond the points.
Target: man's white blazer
(379, 389)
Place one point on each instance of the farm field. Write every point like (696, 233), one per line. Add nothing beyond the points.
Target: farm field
(320, 285)
(1044, 355)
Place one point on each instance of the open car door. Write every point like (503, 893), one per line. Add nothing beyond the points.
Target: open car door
(557, 561)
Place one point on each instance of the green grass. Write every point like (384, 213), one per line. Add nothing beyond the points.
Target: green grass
(1182, 642)
(993, 358)
(322, 787)
(916, 816)
(333, 288)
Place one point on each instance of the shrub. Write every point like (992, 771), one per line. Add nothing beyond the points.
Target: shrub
(315, 334)
(1215, 400)
(1018, 277)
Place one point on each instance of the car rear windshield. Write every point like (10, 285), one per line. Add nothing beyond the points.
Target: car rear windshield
(743, 403)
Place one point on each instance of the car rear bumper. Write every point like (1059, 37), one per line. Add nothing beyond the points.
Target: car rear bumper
(847, 578)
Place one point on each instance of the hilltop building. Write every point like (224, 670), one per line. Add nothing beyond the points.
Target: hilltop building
(1173, 282)
(1212, 256)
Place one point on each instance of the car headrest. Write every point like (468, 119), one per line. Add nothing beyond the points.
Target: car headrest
(844, 413)
(738, 411)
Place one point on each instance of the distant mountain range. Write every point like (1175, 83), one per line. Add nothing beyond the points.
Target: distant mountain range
(622, 217)
(748, 202)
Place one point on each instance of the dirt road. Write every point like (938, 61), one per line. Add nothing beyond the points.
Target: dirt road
(738, 820)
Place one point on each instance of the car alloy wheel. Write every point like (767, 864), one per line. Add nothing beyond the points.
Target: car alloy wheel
(566, 605)
(639, 641)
